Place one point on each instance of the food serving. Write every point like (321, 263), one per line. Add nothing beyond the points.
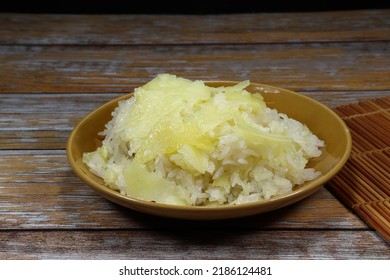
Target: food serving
(180, 142)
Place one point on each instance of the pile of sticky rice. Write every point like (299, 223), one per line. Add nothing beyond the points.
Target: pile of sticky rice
(177, 141)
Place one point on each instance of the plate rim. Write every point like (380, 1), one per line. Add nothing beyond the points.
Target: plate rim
(213, 212)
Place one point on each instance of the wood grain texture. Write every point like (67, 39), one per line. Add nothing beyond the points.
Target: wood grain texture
(39, 190)
(303, 67)
(26, 29)
(54, 69)
(44, 121)
(193, 244)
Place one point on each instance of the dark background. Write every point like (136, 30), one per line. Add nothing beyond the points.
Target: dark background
(183, 7)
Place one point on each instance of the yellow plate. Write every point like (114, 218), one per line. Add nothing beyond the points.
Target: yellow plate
(321, 120)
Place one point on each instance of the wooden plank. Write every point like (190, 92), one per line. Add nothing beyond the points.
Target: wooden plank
(190, 244)
(68, 210)
(302, 67)
(46, 112)
(78, 104)
(38, 29)
(44, 121)
(56, 68)
(39, 190)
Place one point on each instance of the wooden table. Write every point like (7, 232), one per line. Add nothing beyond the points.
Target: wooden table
(54, 69)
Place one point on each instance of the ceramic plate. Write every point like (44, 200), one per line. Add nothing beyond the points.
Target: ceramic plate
(320, 119)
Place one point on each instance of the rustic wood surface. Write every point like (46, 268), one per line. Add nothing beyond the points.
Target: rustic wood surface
(54, 69)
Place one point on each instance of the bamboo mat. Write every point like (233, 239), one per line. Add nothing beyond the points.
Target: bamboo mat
(363, 184)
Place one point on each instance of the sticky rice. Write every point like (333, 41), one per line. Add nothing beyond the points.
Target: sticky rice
(180, 142)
